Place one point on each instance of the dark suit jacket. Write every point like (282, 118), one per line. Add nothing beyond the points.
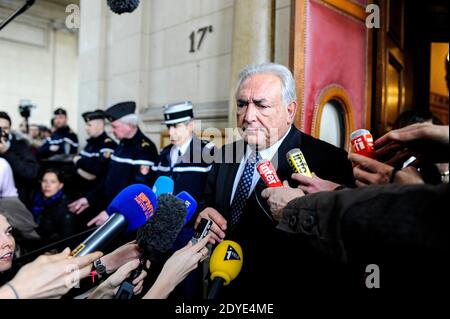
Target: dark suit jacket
(271, 257)
(403, 229)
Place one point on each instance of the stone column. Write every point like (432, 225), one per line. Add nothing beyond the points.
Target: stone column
(92, 59)
(252, 40)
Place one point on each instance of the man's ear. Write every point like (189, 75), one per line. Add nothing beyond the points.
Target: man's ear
(191, 125)
(291, 110)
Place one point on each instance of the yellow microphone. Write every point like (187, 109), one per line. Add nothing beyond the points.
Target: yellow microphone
(298, 163)
(224, 266)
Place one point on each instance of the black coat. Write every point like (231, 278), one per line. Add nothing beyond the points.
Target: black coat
(270, 264)
(131, 163)
(401, 228)
(95, 156)
(56, 222)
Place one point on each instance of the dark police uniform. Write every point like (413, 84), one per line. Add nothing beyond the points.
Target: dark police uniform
(191, 170)
(95, 156)
(131, 162)
(62, 141)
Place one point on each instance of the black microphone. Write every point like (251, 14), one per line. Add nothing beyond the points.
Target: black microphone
(18, 12)
(156, 237)
(159, 233)
(122, 6)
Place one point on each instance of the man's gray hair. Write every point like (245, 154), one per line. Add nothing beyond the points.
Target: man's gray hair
(288, 90)
(130, 119)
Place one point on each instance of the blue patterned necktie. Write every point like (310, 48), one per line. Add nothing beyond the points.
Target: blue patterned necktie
(243, 188)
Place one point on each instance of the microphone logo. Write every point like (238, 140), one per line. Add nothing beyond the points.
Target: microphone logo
(231, 254)
(297, 162)
(144, 202)
(268, 173)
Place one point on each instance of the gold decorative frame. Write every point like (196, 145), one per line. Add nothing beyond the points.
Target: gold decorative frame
(338, 93)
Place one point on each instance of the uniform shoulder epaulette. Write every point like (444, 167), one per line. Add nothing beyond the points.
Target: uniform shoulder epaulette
(144, 143)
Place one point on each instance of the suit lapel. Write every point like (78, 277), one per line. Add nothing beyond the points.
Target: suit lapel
(230, 172)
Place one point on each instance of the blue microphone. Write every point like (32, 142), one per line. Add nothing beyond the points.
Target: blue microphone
(129, 210)
(163, 185)
(191, 204)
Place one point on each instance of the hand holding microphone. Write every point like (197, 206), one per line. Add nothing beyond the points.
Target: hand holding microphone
(219, 226)
(130, 209)
(176, 269)
(279, 197)
(108, 288)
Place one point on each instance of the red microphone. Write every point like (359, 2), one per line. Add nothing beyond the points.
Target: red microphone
(268, 173)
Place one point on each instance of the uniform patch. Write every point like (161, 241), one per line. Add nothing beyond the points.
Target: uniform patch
(144, 169)
(107, 154)
(145, 143)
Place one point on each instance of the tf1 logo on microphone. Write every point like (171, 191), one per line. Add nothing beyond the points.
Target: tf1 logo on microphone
(231, 254)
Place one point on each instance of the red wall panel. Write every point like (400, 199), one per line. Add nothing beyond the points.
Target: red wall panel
(335, 55)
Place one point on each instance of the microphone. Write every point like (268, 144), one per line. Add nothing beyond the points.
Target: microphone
(122, 6)
(268, 173)
(297, 162)
(159, 233)
(156, 237)
(163, 185)
(130, 209)
(190, 203)
(224, 266)
(27, 5)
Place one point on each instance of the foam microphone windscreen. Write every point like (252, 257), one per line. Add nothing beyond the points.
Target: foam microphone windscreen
(137, 203)
(122, 6)
(159, 233)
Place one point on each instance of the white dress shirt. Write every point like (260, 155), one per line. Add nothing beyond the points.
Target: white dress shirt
(174, 151)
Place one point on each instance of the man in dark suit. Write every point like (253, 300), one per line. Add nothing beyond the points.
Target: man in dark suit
(266, 107)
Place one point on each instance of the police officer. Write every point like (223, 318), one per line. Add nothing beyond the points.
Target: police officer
(187, 160)
(62, 141)
(131, 162)
(92, 162)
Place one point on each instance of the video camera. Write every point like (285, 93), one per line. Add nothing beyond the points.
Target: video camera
(25, 107)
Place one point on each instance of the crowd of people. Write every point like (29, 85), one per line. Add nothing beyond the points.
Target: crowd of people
(311, 233)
